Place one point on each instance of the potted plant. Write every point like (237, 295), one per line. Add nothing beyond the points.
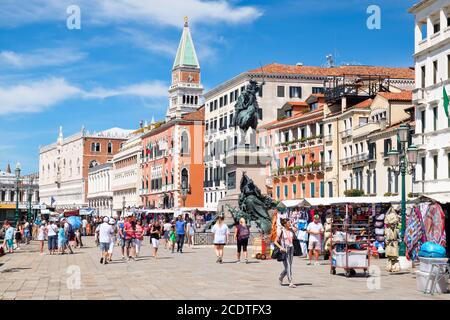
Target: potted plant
(353, 193)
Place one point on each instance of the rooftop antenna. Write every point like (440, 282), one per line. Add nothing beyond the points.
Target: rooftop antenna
(262, 70)
(330, 61)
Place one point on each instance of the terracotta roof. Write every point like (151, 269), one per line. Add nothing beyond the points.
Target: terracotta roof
(395, 73)
(298, 103)
(397, 96)
(198, 115)
(363, 104)
(318, 111)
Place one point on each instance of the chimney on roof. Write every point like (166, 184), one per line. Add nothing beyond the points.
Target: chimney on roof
(8, 168)
(141, 124)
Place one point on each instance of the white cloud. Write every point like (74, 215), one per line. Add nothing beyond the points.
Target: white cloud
(148, 42)
(44, 57)
(172, 12)
(38, 96)
(168, 12)
(35, 96)
(154, 89)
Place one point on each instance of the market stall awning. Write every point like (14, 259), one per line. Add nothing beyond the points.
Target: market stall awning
(292, 203)
(158, 211)
(313, 202)
(442, 198)
(87, 212)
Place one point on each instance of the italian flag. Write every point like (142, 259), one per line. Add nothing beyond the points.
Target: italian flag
(446, 101)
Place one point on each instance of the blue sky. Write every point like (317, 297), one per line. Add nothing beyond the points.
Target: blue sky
(115, 70)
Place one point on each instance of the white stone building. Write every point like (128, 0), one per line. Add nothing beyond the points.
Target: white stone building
(126, 175)
(432, 65)
(100, 195)
(28, 191)
(64, 165)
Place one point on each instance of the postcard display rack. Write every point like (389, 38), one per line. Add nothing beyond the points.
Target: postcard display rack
(351, 239)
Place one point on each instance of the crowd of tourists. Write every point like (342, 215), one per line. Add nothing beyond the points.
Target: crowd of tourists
(128, 233)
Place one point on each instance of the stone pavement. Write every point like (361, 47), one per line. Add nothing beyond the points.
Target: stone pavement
(193, 274)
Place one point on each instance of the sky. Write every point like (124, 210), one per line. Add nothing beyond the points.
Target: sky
(115, 70)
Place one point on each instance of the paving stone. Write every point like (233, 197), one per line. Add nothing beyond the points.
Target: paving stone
(192, 275)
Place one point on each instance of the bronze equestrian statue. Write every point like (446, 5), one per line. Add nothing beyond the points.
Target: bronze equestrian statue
(246, 107)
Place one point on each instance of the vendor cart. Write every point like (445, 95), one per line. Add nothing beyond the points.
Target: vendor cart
(350, 245)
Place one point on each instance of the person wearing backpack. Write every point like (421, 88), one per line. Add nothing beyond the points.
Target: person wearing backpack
(241, 236)
(285, 242)
(69, 235)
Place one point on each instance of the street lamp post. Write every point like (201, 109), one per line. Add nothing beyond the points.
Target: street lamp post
(30, 197)
(123, 206)
(403, 162)
(17, 171)
(184, 191)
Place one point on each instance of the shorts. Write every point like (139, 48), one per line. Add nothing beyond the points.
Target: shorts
(219, 243)
(315, 245)
(10, 244)
(155, 243)
(122, 242)
(129, 243)
(104, 246)
(242, 245)
(111, 247)
(62, 243)
(166, 235)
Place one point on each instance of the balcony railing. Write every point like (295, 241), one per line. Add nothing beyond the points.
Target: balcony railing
(298, 144)
(346, 133)
(167, 187)
(356, 158)
(309, 168)
(207, 184)
(328, 164)
(328, 138)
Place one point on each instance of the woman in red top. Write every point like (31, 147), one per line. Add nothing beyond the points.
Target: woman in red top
(139, 233)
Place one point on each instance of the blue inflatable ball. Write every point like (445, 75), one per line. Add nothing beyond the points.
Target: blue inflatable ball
(432, 250)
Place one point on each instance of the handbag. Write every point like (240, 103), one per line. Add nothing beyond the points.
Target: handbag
(277, 253)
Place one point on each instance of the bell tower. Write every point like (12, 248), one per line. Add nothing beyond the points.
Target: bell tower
(186, 90)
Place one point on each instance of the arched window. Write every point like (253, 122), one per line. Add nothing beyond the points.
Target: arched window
(110, 147)
(184, 143)
(368, 181)
(196, 100)
(184, 179)
(184, 99)
(93, 146)
(192, 99)
(93, 163)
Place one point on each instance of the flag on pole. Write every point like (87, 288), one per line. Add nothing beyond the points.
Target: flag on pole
(446, 101)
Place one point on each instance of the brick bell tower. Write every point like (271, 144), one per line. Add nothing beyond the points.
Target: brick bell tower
(186, 90)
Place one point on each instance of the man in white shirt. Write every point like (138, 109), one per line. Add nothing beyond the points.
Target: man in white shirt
(105, 233)
(315, 230)
(84, 225)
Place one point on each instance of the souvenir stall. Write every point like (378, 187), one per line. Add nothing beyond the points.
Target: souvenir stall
(369, 212)
(427, 221)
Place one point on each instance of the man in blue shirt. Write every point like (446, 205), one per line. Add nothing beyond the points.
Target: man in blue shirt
(180, 227)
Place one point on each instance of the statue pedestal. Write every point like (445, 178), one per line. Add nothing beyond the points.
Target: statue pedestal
(248, 159)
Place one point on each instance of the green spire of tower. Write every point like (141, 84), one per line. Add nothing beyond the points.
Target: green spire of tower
(186, 55)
